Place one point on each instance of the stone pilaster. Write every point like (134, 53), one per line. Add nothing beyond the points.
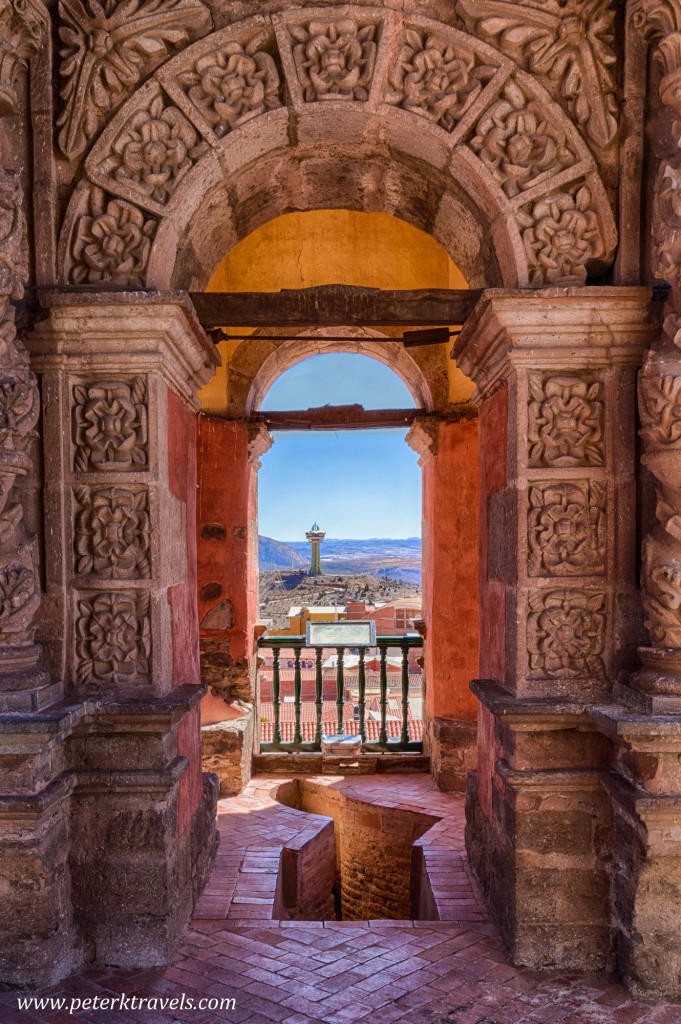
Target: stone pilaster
(119, 377)
(555, 374)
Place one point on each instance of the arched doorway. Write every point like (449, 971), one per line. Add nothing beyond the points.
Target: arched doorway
(302, 249)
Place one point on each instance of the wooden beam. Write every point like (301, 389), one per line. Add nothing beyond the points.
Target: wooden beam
(335, 305)
(337, 417)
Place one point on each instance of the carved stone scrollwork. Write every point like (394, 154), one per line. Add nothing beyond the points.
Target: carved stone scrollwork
(437, 78)
(112, 533)
(234, 84)
(518, 143)
(565, 421)
(566, 634)
(113, 638)
(569, 43)
(259, 443)
(112, 242)
(566, 528)
(23, 25)
(110, 425)
(561, 235)
(107, 48)
(334, 58)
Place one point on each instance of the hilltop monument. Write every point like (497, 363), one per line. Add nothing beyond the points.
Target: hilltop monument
(315, 536)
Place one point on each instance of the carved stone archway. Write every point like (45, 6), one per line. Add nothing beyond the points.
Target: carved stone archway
(197, 158)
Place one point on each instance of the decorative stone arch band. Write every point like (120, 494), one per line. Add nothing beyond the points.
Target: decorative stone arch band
(359, 108)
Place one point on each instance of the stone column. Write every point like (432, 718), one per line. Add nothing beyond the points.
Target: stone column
(555, 374)
(645, 785)
(448, 449)
(119, 376)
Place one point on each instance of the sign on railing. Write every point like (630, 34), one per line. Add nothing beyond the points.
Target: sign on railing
(319, 638)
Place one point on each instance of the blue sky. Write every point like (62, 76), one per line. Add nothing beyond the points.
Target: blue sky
(355, 483)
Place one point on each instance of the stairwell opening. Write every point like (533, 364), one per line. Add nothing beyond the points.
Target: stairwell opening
(372, 866)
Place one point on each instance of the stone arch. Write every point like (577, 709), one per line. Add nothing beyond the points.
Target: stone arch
(253, 370)
(498, 174)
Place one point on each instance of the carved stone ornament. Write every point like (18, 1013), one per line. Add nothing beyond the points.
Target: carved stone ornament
(570, 43)
(437, 78)
(154, 151)
(259, 443)
(113, 641)
(565, 421)
(334, 58)
(566, 634)
(660, 410)
(23, 27)
(661, 590)
(234, 84)
(112, 242)
(561, 235)
(108, 47)
(112, 533)
(519, 144)
(110, 425)
(566, 528)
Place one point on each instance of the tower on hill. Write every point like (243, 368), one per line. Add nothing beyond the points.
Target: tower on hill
(315, 536)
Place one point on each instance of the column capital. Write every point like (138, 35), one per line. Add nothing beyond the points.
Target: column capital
(553, 327)
(98, 332)
(259, 443)
(422, 437)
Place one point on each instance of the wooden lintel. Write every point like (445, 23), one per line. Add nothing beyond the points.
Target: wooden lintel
(335, 305)
(337, 417)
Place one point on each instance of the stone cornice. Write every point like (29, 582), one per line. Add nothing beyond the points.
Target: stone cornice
(527, 328)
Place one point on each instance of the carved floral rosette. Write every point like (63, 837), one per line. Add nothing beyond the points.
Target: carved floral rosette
(174, 136)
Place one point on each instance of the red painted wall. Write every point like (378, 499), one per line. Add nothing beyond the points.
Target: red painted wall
(227, 499)
(450, 570)
(493, 421)
(182, 596)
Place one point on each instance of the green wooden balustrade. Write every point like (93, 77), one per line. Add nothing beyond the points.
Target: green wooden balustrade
(384, 643)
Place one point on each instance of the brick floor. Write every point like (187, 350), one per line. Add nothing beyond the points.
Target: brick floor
(377, 972)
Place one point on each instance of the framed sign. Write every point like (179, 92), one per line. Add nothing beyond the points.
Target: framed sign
(340, 634)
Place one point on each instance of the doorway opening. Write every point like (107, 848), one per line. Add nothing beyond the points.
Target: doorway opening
(361, 565)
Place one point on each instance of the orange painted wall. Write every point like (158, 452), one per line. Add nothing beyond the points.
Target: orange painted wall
(450, 571)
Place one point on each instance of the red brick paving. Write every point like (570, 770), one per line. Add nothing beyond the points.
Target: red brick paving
(377, 972)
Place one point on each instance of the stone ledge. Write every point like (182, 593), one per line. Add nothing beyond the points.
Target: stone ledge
(544, 710)
(547, 780)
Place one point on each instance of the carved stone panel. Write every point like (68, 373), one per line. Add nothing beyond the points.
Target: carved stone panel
(233, 82)
(111, 241)
(113, 638)
(566, 528)
(107, 48)
(437, 77)
(519, 143)
(112, 534)
(569, 44)
(110, 425)
(659, 402)
(334, 57)
(151, 153)
(566, 634)
(561, 234)
(565, 421)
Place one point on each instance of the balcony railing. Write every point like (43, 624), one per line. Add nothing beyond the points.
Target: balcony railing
(384, 744)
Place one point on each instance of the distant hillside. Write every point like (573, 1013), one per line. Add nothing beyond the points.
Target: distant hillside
(373, 547)
(275, 554)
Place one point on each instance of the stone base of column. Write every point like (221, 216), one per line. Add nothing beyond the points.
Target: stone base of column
(39, 940)
(134, 889)
(537, 836)
(645, 794)
(452, 746)
(105, 810)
